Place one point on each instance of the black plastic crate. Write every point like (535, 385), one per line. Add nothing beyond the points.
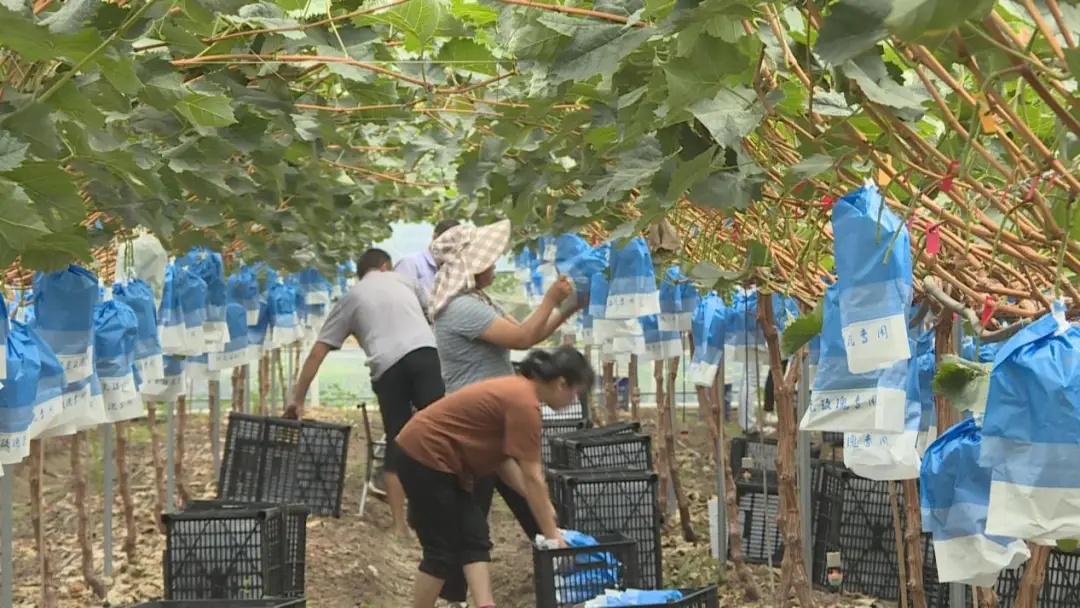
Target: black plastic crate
(705, 597)
(295, 545)
(832, 438)
(553, 429)
(1061, 583)
(867, 540)
(320, 469)
(762, 538)
(568, 577)
(630, 452)
(577, 410)
(224, 554)
(763, 452)
(263, 603)
(260, 460)
(559, 457)
(606, 503)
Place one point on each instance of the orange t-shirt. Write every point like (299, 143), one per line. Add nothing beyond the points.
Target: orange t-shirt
(472, 431)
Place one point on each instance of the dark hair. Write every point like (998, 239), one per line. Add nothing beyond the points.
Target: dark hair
(372, 259)
(442, 227)
(564, 362)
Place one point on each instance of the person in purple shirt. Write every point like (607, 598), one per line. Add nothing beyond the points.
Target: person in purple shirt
(421, 265)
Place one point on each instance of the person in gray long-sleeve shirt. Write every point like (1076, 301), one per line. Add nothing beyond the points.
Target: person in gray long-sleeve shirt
(387, 314)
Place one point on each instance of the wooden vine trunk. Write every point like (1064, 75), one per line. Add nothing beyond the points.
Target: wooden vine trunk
(35, 462)
(123, 476)
(178, 461)
(635, 391)
(82, 517)
(743, 577)
(669, 438)
(239, 383)
(663, 468)
(1034, 574)
(986, 597)
(282, 386)
(913, 542)
(610, 403)
(264, 382)
(159, 464)
(214, 410)
(793, 572)
(901, 566)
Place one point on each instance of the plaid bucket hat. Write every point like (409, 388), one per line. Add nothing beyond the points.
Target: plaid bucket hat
(463, 252)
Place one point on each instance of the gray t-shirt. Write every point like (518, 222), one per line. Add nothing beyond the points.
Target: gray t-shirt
(464, 356)
(385, 312)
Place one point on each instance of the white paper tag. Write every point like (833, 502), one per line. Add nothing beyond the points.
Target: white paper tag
(76, 367)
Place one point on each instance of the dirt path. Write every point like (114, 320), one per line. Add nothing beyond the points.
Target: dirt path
(352, 562)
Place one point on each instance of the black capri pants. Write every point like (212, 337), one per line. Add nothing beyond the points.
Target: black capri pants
(450, 525)
(456, 587)
(411, 384)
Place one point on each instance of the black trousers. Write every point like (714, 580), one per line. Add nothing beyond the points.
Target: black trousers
(484, 491)
(450, 525)
(413, 383)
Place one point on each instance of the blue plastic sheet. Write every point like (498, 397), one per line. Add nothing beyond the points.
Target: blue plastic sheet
(670, 302)
(64, 317)
(18, 395)
(846, 402)
(244, 288)
(1031, 434)
(209, 267)
(635, 597)
(237, 350)
(688, 302)
(921, 381)
(138, 295)
(313, 286)
(744, 341)
(632, 291)
(583, 579)
(874, 274)
(257, 333)
(4, 329)
(709, 330)
(986, 353)
(579, 261)
(183, 313)
(116, 335)
(281, 303)
(955, 495)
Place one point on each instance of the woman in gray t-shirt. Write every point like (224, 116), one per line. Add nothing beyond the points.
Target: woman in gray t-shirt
(475, 336)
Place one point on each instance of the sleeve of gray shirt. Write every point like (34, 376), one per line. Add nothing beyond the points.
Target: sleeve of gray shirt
(422, 295)
(470, 316)
(338, 325)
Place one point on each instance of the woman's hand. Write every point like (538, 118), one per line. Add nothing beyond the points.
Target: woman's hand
(559, 290)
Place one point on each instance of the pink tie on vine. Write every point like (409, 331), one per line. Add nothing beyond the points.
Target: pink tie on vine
(827, 202)
(933, 240)
(987, 311)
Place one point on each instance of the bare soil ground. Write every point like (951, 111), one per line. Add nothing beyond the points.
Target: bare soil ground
(352, 562)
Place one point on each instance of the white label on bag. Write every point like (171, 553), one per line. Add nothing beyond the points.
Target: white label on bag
(226, 360)
(76, 367)
(876, 344)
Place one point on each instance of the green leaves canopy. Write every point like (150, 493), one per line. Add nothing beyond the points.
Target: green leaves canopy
(304, 128)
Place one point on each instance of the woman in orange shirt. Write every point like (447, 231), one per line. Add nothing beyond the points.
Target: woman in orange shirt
(492, 426)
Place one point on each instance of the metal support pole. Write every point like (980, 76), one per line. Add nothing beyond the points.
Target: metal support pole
(246, 407)
(7, 555)
(107, 494)
(215, 424)
(957, 591)
(803, 462)
(170, 457)
(672, 501)
(291, 351)
(273, 381)
(721, 503)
